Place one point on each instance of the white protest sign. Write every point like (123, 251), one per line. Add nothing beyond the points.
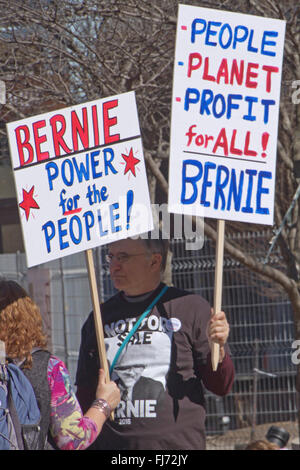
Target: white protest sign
(225, 107)
(80, 177)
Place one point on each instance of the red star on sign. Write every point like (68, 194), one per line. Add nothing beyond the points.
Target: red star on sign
(28, 202)
(131, 161)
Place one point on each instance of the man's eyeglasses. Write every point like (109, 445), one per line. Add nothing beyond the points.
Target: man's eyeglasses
(121, 257)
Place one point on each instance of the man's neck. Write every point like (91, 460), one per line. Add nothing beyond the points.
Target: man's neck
(137, 297)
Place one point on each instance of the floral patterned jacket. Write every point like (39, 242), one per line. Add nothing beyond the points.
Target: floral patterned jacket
(69, 428)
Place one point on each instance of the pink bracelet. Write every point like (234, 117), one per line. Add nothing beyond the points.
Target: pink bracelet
(103, 406)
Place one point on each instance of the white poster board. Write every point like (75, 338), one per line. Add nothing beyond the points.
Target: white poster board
(80, 177)
(225, 107)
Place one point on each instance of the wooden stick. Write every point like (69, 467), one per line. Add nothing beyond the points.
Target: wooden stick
(215, 348)
(97, 315)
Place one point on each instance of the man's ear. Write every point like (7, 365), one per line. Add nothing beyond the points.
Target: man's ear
(156, 261)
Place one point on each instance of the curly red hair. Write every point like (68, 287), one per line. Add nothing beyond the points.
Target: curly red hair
(262, 444)
(20, 322)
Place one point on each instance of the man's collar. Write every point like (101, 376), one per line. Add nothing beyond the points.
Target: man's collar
(140, 297)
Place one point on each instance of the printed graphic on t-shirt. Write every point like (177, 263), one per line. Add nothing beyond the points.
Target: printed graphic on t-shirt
(143, 365)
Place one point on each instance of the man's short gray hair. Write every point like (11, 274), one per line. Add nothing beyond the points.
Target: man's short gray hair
(158, 245)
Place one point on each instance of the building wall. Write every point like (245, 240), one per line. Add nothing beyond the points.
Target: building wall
(11, 239)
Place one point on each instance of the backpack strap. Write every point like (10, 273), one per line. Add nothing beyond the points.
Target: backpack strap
(14, 417)
(19, 362)
(37, 376)
(135, 327)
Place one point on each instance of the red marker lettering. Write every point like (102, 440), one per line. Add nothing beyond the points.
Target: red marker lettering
(21, 144)
(109, 121)
(80, 129)
(39, 139)
(58, 140)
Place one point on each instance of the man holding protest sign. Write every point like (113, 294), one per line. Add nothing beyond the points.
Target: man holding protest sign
(165, 361)
(226, 93)
(224, 123)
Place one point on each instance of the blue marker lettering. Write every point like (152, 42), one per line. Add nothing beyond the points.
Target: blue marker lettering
(261, 190)
(101, 231)
(231, 105)
(235, 192)
(211, 32)
(206, 99)
(251, 100)
(89, 223)
(219, 98)
(52, 175)
(266, 104)
(49, 232)
(107, 161)
(250, 47)
(94, 164)
(62, 233)
(75, 239)
(67, 176)
(114, 217)
(206, 183)
(195, 31)
(191, 180)
(83, 171)
(239, 38)
(265, 42)
(229, 40)
(189, 98)
(220, 185)
(248, 208)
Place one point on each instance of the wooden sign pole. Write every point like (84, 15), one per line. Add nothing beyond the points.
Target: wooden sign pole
(97, 314)
(215, 348)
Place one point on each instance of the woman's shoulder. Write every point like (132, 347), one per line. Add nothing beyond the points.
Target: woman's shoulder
(54, 360)
(56, 366)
